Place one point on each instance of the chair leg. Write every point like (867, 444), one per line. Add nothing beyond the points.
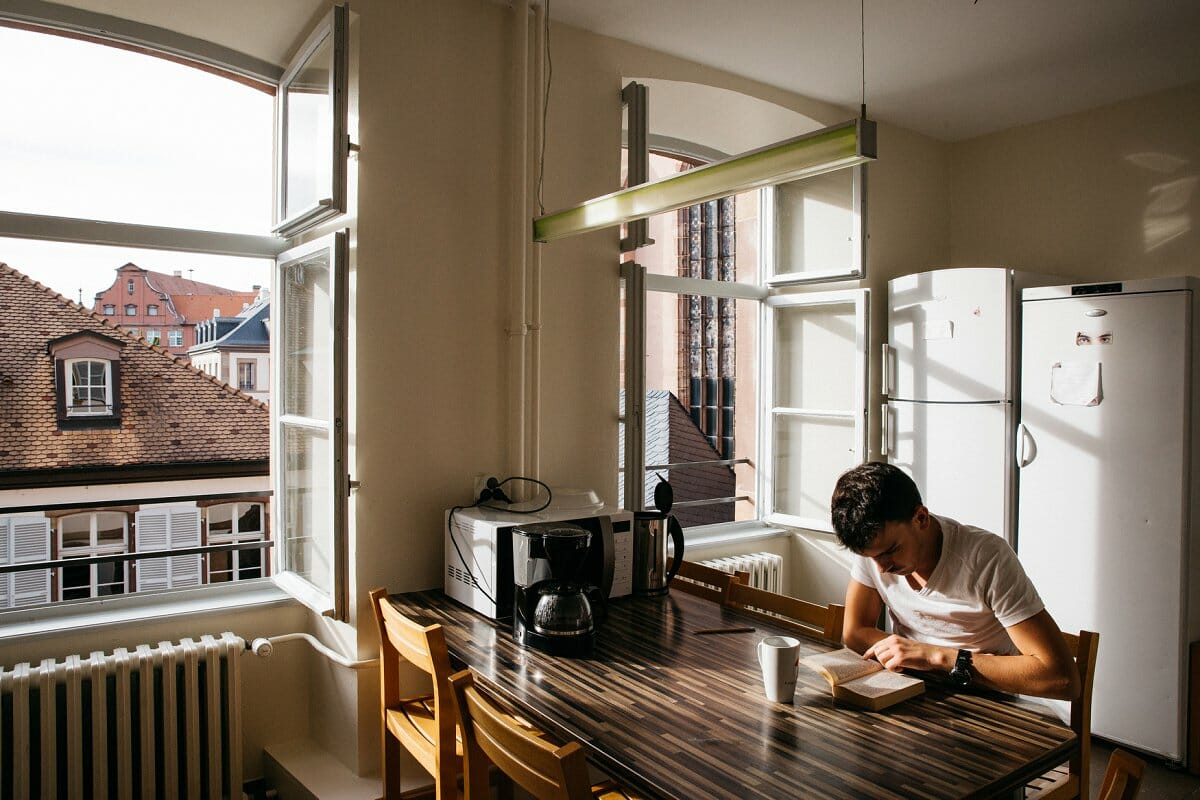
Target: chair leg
(391, 766)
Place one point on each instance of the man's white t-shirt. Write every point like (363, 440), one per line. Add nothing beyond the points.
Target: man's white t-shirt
(977, 589)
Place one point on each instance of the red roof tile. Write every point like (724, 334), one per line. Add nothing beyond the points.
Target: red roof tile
(171, 413)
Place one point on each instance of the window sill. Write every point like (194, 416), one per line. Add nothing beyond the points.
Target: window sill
(118, 611)
(728, 532)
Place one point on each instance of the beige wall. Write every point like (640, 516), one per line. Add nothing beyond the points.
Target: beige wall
(1104, 194)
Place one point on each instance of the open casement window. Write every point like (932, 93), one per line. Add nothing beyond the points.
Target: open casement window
(167, 529)
(817, 229)
(24, 540)
(814, 401)
(88, 535)
(312, 143)
(89, 387)
(309, 416)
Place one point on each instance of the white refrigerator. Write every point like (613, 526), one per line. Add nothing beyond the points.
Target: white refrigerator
(949, 379)
(1108, 496)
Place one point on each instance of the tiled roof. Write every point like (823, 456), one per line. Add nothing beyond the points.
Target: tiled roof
(171, 413)
(198, 307)
(176, 284)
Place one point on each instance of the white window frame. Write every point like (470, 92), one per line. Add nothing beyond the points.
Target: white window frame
(334, 603)
(291, 222)
(769, 413)
(69, 389)
(251, 366)
(174, 338)
(236, 536)
(88, 231)
(93, 548)
(132, 313)
(856, 270)
(153, 336)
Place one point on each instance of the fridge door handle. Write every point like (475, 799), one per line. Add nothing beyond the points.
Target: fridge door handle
(886, 368)
(885, 430)
(1026, 447)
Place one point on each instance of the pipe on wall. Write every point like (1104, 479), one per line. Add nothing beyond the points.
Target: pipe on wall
(517, 328)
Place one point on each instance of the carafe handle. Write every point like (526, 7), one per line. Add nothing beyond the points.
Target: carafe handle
(677, 539)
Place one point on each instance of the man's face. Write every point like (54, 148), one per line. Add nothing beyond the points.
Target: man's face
(897, 548)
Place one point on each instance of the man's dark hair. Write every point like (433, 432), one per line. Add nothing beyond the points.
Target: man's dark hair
(868, 496)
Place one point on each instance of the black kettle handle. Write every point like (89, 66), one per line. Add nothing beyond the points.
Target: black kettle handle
(676, 531)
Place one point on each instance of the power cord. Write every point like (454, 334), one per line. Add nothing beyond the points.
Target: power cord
(494, 491)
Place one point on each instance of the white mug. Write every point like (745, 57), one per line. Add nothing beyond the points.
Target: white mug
(779, 657)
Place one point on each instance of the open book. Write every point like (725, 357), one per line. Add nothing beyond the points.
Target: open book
(863, 682)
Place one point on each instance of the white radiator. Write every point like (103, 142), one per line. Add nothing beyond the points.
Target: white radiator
(766, 569)
(158, 722)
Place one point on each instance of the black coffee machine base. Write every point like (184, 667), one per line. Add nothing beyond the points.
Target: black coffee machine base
(577, 645)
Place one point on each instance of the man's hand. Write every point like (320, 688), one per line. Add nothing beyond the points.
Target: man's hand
(896, 653)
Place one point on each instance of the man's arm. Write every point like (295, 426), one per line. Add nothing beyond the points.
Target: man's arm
(860, 624)
(1043, 668)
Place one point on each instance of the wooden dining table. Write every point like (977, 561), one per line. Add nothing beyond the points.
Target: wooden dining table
(676, 714)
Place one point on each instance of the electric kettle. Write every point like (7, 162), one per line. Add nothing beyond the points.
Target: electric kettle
(650, 532)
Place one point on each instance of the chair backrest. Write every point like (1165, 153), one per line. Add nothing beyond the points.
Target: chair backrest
(1083, 647)
(707, 582)
(491, 736)
(801, 615)
(1122, 777)
(425, 648)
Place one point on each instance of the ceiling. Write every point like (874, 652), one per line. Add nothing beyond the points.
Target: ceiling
(951, 69)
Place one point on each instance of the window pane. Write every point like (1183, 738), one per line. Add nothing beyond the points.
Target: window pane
(250, 520)
(307, 340)
(110, 528)
(110, 578)
(220, 519)
(309, 132)
(307, 540)
(810, 454)
(76, 530)
(249, 564)
(701, 401)
(151, 126)
(816, 224)
(814, 357)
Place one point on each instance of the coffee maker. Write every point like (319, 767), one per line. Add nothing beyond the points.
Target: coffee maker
(551, 608)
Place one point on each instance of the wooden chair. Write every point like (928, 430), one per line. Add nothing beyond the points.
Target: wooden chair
(1122, 777)
(491, 738)
(800, 615)
(1070, 780)
(707, 582)
(424, 725)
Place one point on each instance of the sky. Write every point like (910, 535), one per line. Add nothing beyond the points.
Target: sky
(114, 135)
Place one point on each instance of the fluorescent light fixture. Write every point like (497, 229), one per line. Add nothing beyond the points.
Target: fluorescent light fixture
(826, 150)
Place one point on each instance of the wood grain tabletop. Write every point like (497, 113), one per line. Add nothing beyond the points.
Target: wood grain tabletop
(683, 716)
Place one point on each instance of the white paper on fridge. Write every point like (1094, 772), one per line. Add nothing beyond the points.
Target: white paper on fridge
(1075, 384)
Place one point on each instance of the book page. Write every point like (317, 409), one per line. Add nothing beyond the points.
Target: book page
(881, 683)
(841, 665)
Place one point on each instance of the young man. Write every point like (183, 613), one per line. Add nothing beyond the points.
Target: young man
(958, 599)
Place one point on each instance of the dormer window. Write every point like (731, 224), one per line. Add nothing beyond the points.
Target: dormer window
(130, 285)
(87, 379)
(89, 387)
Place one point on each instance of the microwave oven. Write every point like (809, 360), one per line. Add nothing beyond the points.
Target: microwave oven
(479, 566)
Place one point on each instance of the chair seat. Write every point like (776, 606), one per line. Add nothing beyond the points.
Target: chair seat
(1057, 784)
(611, 790)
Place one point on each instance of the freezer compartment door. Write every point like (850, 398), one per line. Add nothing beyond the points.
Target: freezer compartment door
(1104, 388)
(950, 336)
(959, 455)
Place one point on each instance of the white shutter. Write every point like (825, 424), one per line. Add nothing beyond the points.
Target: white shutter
(149, 535)
(30, 538)
(184, 531)
(5, 558)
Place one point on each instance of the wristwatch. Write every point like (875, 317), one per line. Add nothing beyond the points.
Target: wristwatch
(961, 674)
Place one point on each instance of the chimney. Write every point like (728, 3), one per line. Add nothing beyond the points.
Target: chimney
(178, 273)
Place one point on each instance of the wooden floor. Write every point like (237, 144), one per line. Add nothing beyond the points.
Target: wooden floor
(1158, 783)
